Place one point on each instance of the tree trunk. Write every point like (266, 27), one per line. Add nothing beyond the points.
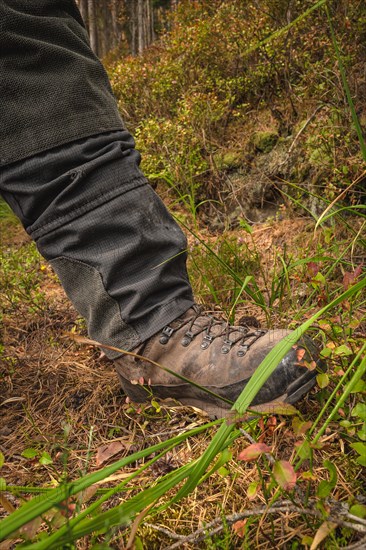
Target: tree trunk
(140, 15)
(93, 26)
(114, 25)
(133, 25)
(140, 26)
(83, 7)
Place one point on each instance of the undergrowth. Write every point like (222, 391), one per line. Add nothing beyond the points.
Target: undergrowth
(293, 463)
(283, 477)
(233, 81)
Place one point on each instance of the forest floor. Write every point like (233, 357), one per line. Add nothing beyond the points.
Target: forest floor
(63, 415)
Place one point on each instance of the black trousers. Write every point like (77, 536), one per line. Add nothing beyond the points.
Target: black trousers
(119, 254)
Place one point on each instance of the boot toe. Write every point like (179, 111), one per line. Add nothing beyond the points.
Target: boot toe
(294, 376)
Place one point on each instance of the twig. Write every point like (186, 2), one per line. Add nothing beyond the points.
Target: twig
(165, 531)
(217, 525)
(131, 539)
(202, 532)
(359, 545)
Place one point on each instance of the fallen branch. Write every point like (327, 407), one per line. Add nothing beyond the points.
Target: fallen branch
(218, 524)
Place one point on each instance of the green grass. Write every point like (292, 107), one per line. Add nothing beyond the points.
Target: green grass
(315, 283)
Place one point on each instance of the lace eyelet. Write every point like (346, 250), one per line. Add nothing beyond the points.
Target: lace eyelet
(187, 338)
(242, 350)
(207, 339)
(227, 346)
(166, 334)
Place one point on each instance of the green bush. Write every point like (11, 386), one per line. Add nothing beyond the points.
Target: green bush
(197, 91)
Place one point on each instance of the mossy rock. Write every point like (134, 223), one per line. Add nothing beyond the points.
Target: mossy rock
(264, 141)
(228, 160)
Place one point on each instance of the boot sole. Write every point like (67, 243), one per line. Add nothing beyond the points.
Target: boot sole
(214, 411)
(295, 391)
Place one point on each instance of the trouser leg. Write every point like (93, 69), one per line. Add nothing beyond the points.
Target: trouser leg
(119, 254)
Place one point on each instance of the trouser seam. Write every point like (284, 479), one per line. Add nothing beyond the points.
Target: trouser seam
(57, 222)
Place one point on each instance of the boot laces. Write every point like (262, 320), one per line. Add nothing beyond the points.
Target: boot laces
(213, 327)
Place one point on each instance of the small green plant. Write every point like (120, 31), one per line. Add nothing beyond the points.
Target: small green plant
(7, 216)
(43, 457)
(21, 274)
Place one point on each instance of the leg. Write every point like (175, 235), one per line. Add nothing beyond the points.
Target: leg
(120, 256)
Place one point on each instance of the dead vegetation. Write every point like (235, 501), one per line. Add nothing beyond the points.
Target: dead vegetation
(63, 402)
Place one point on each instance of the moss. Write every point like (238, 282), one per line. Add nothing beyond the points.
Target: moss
(264, 141)
(228, 160)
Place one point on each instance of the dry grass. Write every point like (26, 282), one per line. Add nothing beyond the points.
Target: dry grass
(66, 400)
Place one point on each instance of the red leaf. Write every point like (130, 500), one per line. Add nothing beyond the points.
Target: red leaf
(284, 474)
(357, 272)
(313, 269)
(350, 278)
(253, 451)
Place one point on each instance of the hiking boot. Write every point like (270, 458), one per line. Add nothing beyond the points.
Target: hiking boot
(219, 357)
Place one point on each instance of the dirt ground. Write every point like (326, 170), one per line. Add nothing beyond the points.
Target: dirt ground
(64, 399)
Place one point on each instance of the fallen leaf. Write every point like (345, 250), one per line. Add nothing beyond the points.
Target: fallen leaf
(29, 530)
(300, 426)
(105, 452)
(323, 531)
(284, 474)
(239, 527)
(6, 504)
(88, 493)
(253, 451)
(67, 507)
(6, 545)
(271, 424)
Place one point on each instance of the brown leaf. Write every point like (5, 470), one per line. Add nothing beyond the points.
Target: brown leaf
(239, 527)
(271, 424)
(105, 452)
(29, 530)
(276, 407)
(284, 474)
(6, 545)
(67, 507)
(253, 451)
(88, 493)
(6, 504)
(323, 531)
